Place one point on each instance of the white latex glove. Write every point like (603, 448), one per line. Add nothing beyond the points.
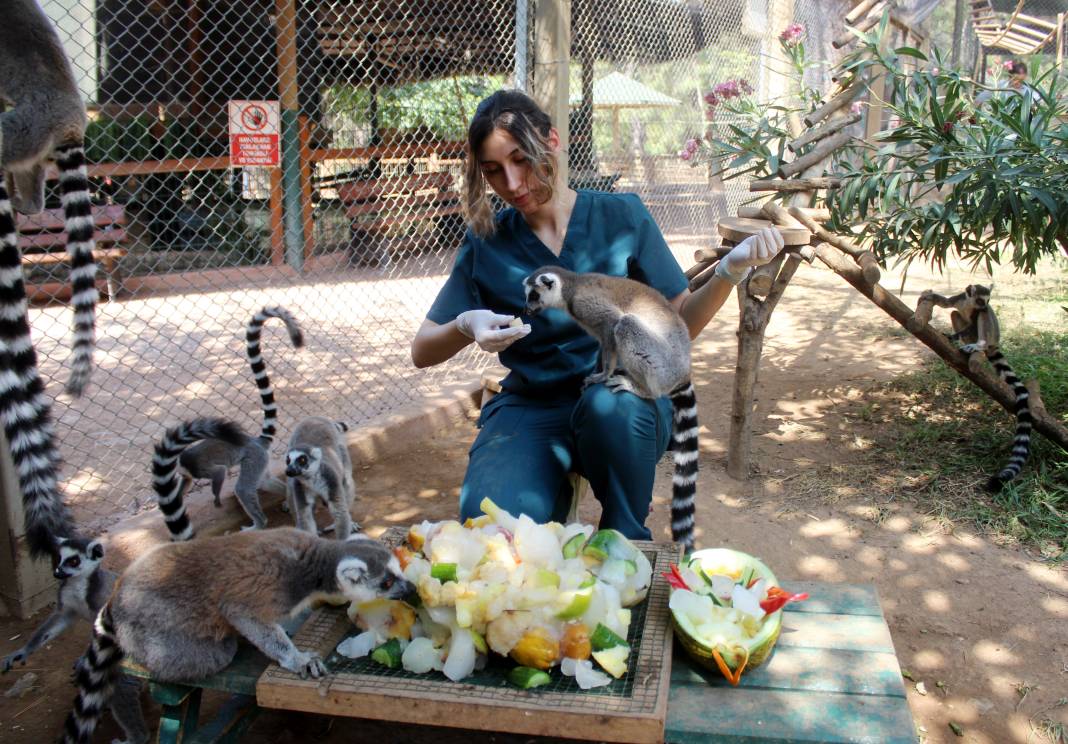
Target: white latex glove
(490, 330)
(756, 250)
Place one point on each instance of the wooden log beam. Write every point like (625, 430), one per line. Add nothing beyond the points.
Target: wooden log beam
(701, 279)
(865, 259)
(822, 151)
(756, 212)
(839, 101)
(863, 24)
(860, 10)
(985, 379)
(826, 130)
(796, 184)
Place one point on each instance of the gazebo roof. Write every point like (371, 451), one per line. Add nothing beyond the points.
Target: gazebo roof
(618, 90)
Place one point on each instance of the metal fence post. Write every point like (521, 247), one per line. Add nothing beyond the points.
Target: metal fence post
(552, 53)
(25, 585)
(286, 30)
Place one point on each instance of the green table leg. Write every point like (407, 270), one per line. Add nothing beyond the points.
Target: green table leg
(181, 711)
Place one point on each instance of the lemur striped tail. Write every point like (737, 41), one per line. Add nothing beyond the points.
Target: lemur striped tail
(684, 482)
(165, 478)
(1021, 443)
(95, 678)
(259, 368)
(24, 409)
(78, 220)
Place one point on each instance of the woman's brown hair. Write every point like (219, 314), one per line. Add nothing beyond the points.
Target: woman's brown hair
(518, 114)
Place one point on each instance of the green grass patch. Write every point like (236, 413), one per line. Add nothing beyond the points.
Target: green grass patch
(955, 436)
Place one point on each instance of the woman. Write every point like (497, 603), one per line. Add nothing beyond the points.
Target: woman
(544, 424)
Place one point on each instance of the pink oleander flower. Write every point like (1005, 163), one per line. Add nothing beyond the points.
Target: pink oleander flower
(685, 154)
(691, 145)
(727, 89)
(791, 36)
(711, 100)
(1007, 65)
(856, 107)
(746, 87)
(710, 114)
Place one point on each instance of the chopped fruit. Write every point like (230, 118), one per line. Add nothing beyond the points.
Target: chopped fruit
(443, 571)
(544, 577)
(526, 677)
(576, 641)
(480, 643)
(574, 546)
(388, 654)
(613, 660)
(536, 649)
(603, 638)
(574, 603)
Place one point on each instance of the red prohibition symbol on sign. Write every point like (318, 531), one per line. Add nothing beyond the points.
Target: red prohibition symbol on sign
(254, 118)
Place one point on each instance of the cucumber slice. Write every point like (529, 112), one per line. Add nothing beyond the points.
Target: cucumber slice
(573, 546)
(527, 677)
(604, 637)
(443, 571)
(388, 654)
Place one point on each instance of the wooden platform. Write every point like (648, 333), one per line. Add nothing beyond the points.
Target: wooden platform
(833, 677)
(632, 709)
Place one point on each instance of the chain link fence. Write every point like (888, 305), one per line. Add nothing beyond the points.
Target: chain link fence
(357, 229)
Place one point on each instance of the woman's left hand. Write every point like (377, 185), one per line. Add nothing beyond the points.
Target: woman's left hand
(756, 250)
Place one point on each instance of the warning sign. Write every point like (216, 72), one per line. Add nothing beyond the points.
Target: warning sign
(254, 127)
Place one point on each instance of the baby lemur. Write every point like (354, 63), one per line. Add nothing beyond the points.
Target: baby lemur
(645, 350)
(212, 458)
(975, 325)
(84, 587)
(180, 608)
(318, 464)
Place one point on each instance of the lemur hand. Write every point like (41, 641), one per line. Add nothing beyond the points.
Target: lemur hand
(756, 250)
(490, 330)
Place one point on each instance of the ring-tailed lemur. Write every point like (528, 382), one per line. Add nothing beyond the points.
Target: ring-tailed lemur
(212, 458)
(976, 325)
(180, 609)
(84, 587)
(318, 464)
(645, 349)
(165, 480)
(47, 121)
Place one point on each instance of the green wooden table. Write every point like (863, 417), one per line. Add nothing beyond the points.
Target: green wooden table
(833, 677)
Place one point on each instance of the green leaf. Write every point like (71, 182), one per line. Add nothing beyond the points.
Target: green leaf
(911, 52)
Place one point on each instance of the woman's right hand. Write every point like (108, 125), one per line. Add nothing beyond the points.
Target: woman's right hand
(490, 330)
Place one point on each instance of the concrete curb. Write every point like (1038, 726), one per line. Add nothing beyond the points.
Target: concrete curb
(385, 435)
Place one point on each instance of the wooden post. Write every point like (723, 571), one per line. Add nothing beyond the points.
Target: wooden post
(286, 30)
(752, 322)
(552, 53)
(25, 585)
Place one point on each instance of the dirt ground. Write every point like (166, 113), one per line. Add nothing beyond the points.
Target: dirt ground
(983, 625)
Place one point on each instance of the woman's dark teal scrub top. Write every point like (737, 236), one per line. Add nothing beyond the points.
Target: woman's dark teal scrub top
(610, 234)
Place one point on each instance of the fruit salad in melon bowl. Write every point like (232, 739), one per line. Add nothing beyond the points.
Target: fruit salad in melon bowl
(726, 607)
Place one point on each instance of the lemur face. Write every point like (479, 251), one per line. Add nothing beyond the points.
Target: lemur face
(303, 462)
(77, 557)
(371, 571)
(542, 290)
(978, 294)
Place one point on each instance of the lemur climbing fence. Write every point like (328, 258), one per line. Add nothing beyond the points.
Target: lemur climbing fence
(356, 229)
